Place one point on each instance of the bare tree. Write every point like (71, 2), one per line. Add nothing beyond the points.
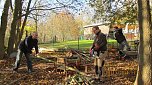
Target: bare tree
(144, 73)
(3, 27)
(13, 26)
(26, 12)
(24, 22)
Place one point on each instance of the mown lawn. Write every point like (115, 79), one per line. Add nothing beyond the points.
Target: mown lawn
(83, 44)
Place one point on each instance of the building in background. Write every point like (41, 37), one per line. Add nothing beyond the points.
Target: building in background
(131, 31)
(88, 35)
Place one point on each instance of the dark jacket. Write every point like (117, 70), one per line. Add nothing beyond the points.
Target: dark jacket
(101, 40)
(28, 44)
(119, 36)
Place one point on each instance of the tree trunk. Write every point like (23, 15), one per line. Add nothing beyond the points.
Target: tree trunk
(13, 27)
(3, 27)
(145, 57)
(18, 26)
(24, 22)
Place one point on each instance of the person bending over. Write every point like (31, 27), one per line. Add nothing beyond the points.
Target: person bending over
(26, 47)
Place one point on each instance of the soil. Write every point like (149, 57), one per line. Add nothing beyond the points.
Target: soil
(116, 72)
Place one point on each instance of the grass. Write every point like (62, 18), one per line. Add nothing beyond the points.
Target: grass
(83, 44)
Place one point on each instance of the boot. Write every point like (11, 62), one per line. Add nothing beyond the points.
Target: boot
(30, 71)
(103, 62)
(101, 71)
(100, 74)
(96, 72)
(15, 69)
(96, 69)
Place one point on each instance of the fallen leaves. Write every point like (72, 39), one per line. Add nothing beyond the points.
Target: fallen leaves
(116, 72)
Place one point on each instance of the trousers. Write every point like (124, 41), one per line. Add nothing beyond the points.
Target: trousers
(99, 62)
(18, 59)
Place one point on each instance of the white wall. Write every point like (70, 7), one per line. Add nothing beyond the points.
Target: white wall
(103, 28)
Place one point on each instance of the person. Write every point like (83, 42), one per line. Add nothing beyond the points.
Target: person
(118, 35)
(99, 47)
(26, 47)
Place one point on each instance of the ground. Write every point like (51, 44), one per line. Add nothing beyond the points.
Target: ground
(117, 72)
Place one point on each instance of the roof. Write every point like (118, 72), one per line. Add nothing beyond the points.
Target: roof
(97, 24)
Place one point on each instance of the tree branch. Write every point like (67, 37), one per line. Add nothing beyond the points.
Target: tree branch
(11, 5)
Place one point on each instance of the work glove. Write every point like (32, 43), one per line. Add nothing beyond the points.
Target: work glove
(91, 52)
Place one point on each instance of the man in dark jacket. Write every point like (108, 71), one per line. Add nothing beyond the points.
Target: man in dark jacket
(26, 47)
(100, 47)
(121, 40)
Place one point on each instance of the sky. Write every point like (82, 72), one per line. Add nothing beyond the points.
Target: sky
(81, 7)
(1, 6)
